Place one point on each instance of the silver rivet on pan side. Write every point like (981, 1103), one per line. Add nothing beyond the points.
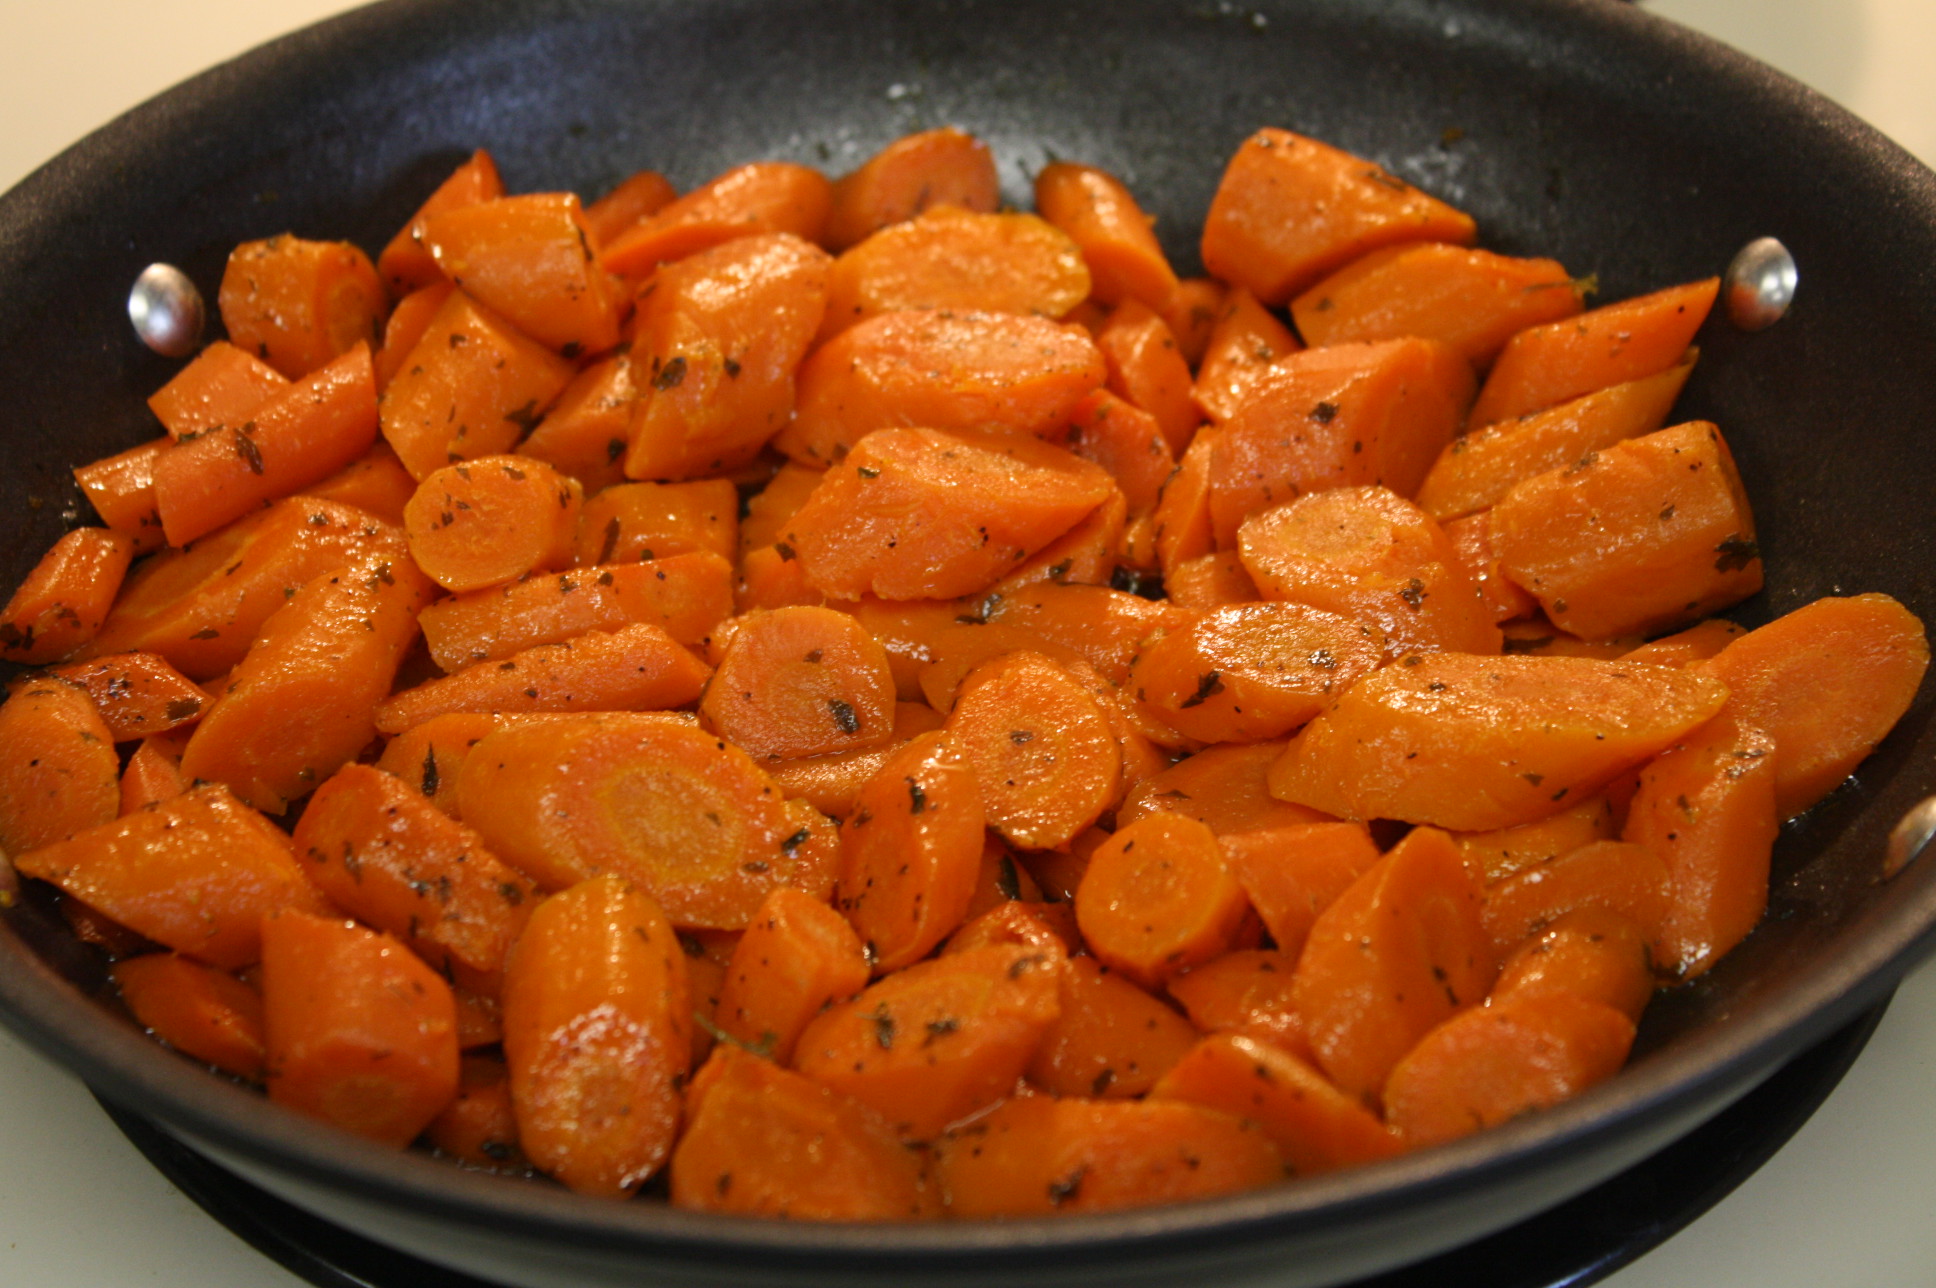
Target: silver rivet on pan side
(166, 310)
(1910, 837)
(1760, 284)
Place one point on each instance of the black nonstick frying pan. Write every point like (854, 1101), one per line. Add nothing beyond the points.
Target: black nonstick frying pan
(1580, 129)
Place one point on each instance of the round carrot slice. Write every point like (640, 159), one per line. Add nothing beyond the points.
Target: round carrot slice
(801, 681)
(1158, 899)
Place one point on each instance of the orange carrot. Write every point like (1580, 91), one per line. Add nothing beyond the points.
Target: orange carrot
(375, 483)
(1000, 881)
(1591, 953)
(639, 195)
(1101, 217)
(67, 596)
(1223, 788)
(405, 264)
(1181, 528)
(58, 771)
(153, 774)
(1112, 1039)
(222, 386)
(797, 957)
(909, 176)
(1697, 643)
(754, 200)
(300, 304)
(1125, 440)
(1213, 581)
(137, 694)
(1505, 599)
(408, 321)
(204, 1013)
(1147, 371)
(1292, 874)
(122, 490)
(1247, 337)
(1158, 898)
(1621, 877)
(1245, 991)
(489, 520)
(801, 681)
(1191, 310)
(586, 431)
(1504, 852)
(1105, 627)
(478, 1127)
(530, 259)
(1048, 926)
(637, 521)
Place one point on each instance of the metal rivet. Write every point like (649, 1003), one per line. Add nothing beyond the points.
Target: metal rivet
(1910, 837)
(167, 311)
(1760, 284)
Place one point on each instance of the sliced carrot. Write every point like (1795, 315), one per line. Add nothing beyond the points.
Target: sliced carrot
(405, 264)
(586, 431)
(530, 258)
(1505, 599)
(122, 490)
(487, 521)
(760, 199)
(479, 1019)
(637, 521)
(1621, 877)
(1292, 874)
(137, 694)
(204, 1013)
(1085, 555)
(428, 756)
(1224, 788)
(1111, 1040)
(1125, 440)
(801, 681)
(797, 957)
(66, 598)
(478, 1126)
(1158, 898)
(153, 774)
(1147, 370)
(1697, 643)
(1000, 881)
(1591, 953)
(1049, 926)
(1247, 338)
(1181, 526)
(59, 774)
(1214, 581)
(222, 386)
(1118, 244)
(1247, 991)
(909, 176)
(768, 511)
(375, 483)
(1106, 627)
(300, 304)
(1505, 852)
(1192, 310)
(640, 194)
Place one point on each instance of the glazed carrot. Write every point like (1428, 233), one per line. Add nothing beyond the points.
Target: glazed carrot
(768, 579)
(1245, 991)
(1292, 874)
(1158, 898)
(1697, 643)
(304, 435)
(478, 1126)
(200, 608)
(586, 431)
(67, 596)
(1475, 743)
(222, 386)
(389, 857)
(302, 703)
(196, 873)
(797, 957)
(1111, 1039)
(1085, 555)
(137, 694)
(1670, 504)
(801, 682)
(719, 337)
(1613, 876)
(1504, 852)
(487, 521)
(58, 771)
(1247, 336)
(153, 773)
(939, 370)
(999, 881)
(1117, 241)
(1544, 366)
(204, 1013)
(1473, 300)
(1147, 370)
(929, 1045)
(636, 521)
(1191, 311)
(427, 756)
(1505, 600)
(1106, 627)
(652, 798)
(768, 1142)
(1252, 672)
(478, 1019)
(122, 490)
(909, 176)
(375, 483)
(1181, 529)
(635, 668)
(950, 258)
(471, 386)
(597, 1019)
(1591, 953)
(1015, 923)
(1125, 440)
(958, 649)
(1827, 682)
(1213, 581)
(408, 322)
(1317, 1127)
(911, 852)
(1374, 558)
(1398, 953)
(1490, 1065)
(530, 258)
(706, 978)
(768, 511)
(299, 304)
(1040, 746)
(1289, 210)
(1223, 788)
(1475, 470)
(1037, 1155)
(405, 263)
(754, 200)
(637, 196)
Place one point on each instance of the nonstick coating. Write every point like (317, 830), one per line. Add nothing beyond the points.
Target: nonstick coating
(1580, 129)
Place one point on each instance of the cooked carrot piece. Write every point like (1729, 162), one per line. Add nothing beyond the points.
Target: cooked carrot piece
(319, 425)
(797, 957)
(1475, 743)
(1292, 874)
(478, 1019)
(706, 978)
(929, 1045)
(375, 483)
(639, 195)
(956, 650)
(1645, 536)
(58, 771)
(1000, 880)
(1158, 898)
(801, 682)
(1473, 300)
(754, 200)
(1707, 806)
(471, 386)
(530, 259)
(1040, 746)
(1317, 1127)
(1544, 366)
(586, 431)
(200, 607)
(635, 668)
(768, 511)
(427, 756)
(153, 774)
(204, 1013)
(911, 852)
(1245, 991)
(1013, 922)
(635, 521)
(408, 322)
(1374, 558)
(1217, 580)
(1223, 788)
(950, 258)
(1475, 470)
(768, 579)
(1106, 627)
(1591, 953)
(302, 704)
(1125, 440)
(390, 858)
(122, 490)
(137, 694)
(1697, 643)
(1147, 370)
(1289, 210)
(1192, 310)
(1489, 1065)
(299, 304)
(1111, 1039)
(1038, 1155)
(487, 521)
(1247, 337)
(652, 798)
(909, 176)
(405, 263)
(1398, 953)
(1253, 672)
(1505, 600)
(719, 337)
(1181, 529)
(1827, 682)
(831, 782)
(222, 386)
(1614, 876)
(1085, 555)
(67, 596)
(196, 873)
(1505, 852)
(1118, 244)
(478, 1126)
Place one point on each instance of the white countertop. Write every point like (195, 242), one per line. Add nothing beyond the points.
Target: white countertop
(1846, 1203)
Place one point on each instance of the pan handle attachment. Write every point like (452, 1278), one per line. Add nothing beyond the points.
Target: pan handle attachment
(1760, 284)
(1910, 837)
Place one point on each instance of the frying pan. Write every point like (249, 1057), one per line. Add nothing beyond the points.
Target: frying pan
(1573, 128)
